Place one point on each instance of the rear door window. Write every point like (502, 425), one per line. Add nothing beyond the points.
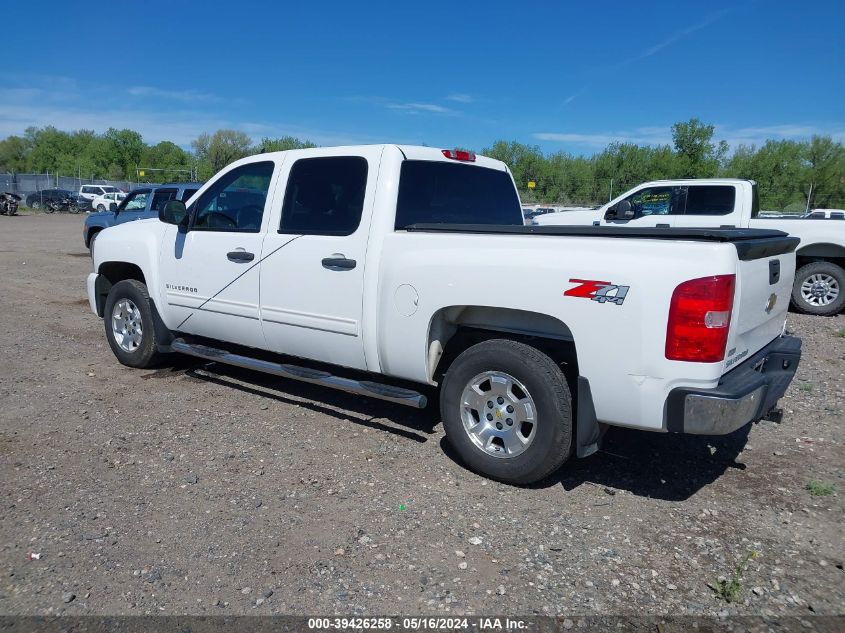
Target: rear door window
(325, 196)
(187, 194)
(161, 196)
(434, 192)
(710, 199)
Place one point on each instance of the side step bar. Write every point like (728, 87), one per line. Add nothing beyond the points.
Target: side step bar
(314, 376)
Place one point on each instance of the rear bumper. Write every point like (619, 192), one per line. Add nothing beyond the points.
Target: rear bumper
(745, 394)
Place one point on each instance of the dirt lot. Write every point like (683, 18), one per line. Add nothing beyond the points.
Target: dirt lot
(205, 490)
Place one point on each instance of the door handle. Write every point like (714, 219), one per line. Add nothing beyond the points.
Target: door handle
(240, 256)
(339, 263)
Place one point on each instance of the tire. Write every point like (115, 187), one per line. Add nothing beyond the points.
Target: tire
(49, 208)
(36, 204)
(819, 289)
(137, 348)
(520, 453)
(100, 208)
(72, 208)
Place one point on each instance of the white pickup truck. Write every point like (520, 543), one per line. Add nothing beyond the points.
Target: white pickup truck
(819, 286)
(407, 269)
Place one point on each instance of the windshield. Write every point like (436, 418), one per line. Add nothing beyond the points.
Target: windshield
(435, 192)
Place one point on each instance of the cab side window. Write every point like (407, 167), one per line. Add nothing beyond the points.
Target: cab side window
(654, 201)
(325, 196)
(135, 201)
(710, 199)
(235, 202)
(161, 196)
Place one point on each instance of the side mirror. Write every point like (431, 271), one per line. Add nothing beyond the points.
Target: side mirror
(173, 212)
(624, 210)
(113, 207)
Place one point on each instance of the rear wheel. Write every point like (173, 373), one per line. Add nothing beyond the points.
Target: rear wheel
(129, 325)
(101, 208)
(819, 289)
(507, 411)
(36, 204)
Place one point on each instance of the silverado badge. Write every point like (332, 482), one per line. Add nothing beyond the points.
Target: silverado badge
(770, 304)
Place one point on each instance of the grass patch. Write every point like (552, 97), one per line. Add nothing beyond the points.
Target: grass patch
(730, 589)
(806, 387)
(840, 332)
(820, 488)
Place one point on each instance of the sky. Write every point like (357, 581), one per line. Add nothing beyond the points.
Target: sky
(566, 76)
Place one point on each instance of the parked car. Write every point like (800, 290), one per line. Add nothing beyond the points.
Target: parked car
(103, 202)
(819, 286)
(826, 214)
(402, 269)
(53, 200)
(89, 192)
(138, 204)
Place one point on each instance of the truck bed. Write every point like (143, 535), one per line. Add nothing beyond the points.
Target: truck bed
(750, 243)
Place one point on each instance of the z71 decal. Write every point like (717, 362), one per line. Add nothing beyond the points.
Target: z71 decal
(601, 291)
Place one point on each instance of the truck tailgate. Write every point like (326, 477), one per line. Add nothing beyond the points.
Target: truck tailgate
(763, 286)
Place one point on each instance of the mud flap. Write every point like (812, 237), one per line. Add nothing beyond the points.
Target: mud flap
(587, 428)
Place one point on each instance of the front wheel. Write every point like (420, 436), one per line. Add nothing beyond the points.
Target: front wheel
(819, 289)
(507, 411)
(129, 325)
(100, 208)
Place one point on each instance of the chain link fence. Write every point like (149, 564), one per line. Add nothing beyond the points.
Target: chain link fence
(25, 184)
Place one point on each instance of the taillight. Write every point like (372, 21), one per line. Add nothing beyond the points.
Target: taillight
(459, 154)
(699, 318)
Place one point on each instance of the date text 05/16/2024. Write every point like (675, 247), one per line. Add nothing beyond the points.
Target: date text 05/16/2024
(417, 624)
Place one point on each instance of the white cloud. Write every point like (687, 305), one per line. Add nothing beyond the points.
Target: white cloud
(643, 136)
(176, 95)
(676, 36)
(460, 98)
(658, 135)
(417, 108)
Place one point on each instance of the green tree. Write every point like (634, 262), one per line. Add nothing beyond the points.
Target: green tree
(698, 156)
(215, 151)
(283, 143)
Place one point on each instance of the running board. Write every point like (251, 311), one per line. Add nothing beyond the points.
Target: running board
(304, 374)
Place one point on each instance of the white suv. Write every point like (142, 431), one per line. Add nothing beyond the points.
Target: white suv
(89, 192)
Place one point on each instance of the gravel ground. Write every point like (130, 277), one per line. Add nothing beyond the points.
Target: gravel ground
(198, 489)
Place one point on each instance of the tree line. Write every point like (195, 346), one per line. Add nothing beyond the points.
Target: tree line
(792, 174)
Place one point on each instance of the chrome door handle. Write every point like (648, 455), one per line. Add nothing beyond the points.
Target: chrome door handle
(339, 263)
(240, 256)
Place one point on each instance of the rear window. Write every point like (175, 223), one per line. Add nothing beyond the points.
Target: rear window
(444, 193)
(710, 200)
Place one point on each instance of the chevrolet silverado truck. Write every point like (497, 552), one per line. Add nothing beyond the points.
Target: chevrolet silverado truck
(819, 286)
(394, 272)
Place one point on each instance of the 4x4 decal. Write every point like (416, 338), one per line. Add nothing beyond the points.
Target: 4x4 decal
(601, 291)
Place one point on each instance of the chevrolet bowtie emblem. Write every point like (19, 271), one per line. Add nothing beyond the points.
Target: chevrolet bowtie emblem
(770, 304)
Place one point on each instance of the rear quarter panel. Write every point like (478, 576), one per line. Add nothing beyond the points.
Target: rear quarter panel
(620, 348)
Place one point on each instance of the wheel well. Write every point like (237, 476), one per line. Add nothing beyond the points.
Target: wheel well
(457, 328)
(110, 274)
(834, 253)
(91, 235)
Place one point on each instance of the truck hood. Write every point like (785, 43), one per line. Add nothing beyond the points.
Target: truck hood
(97, 218)
(131, 242)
